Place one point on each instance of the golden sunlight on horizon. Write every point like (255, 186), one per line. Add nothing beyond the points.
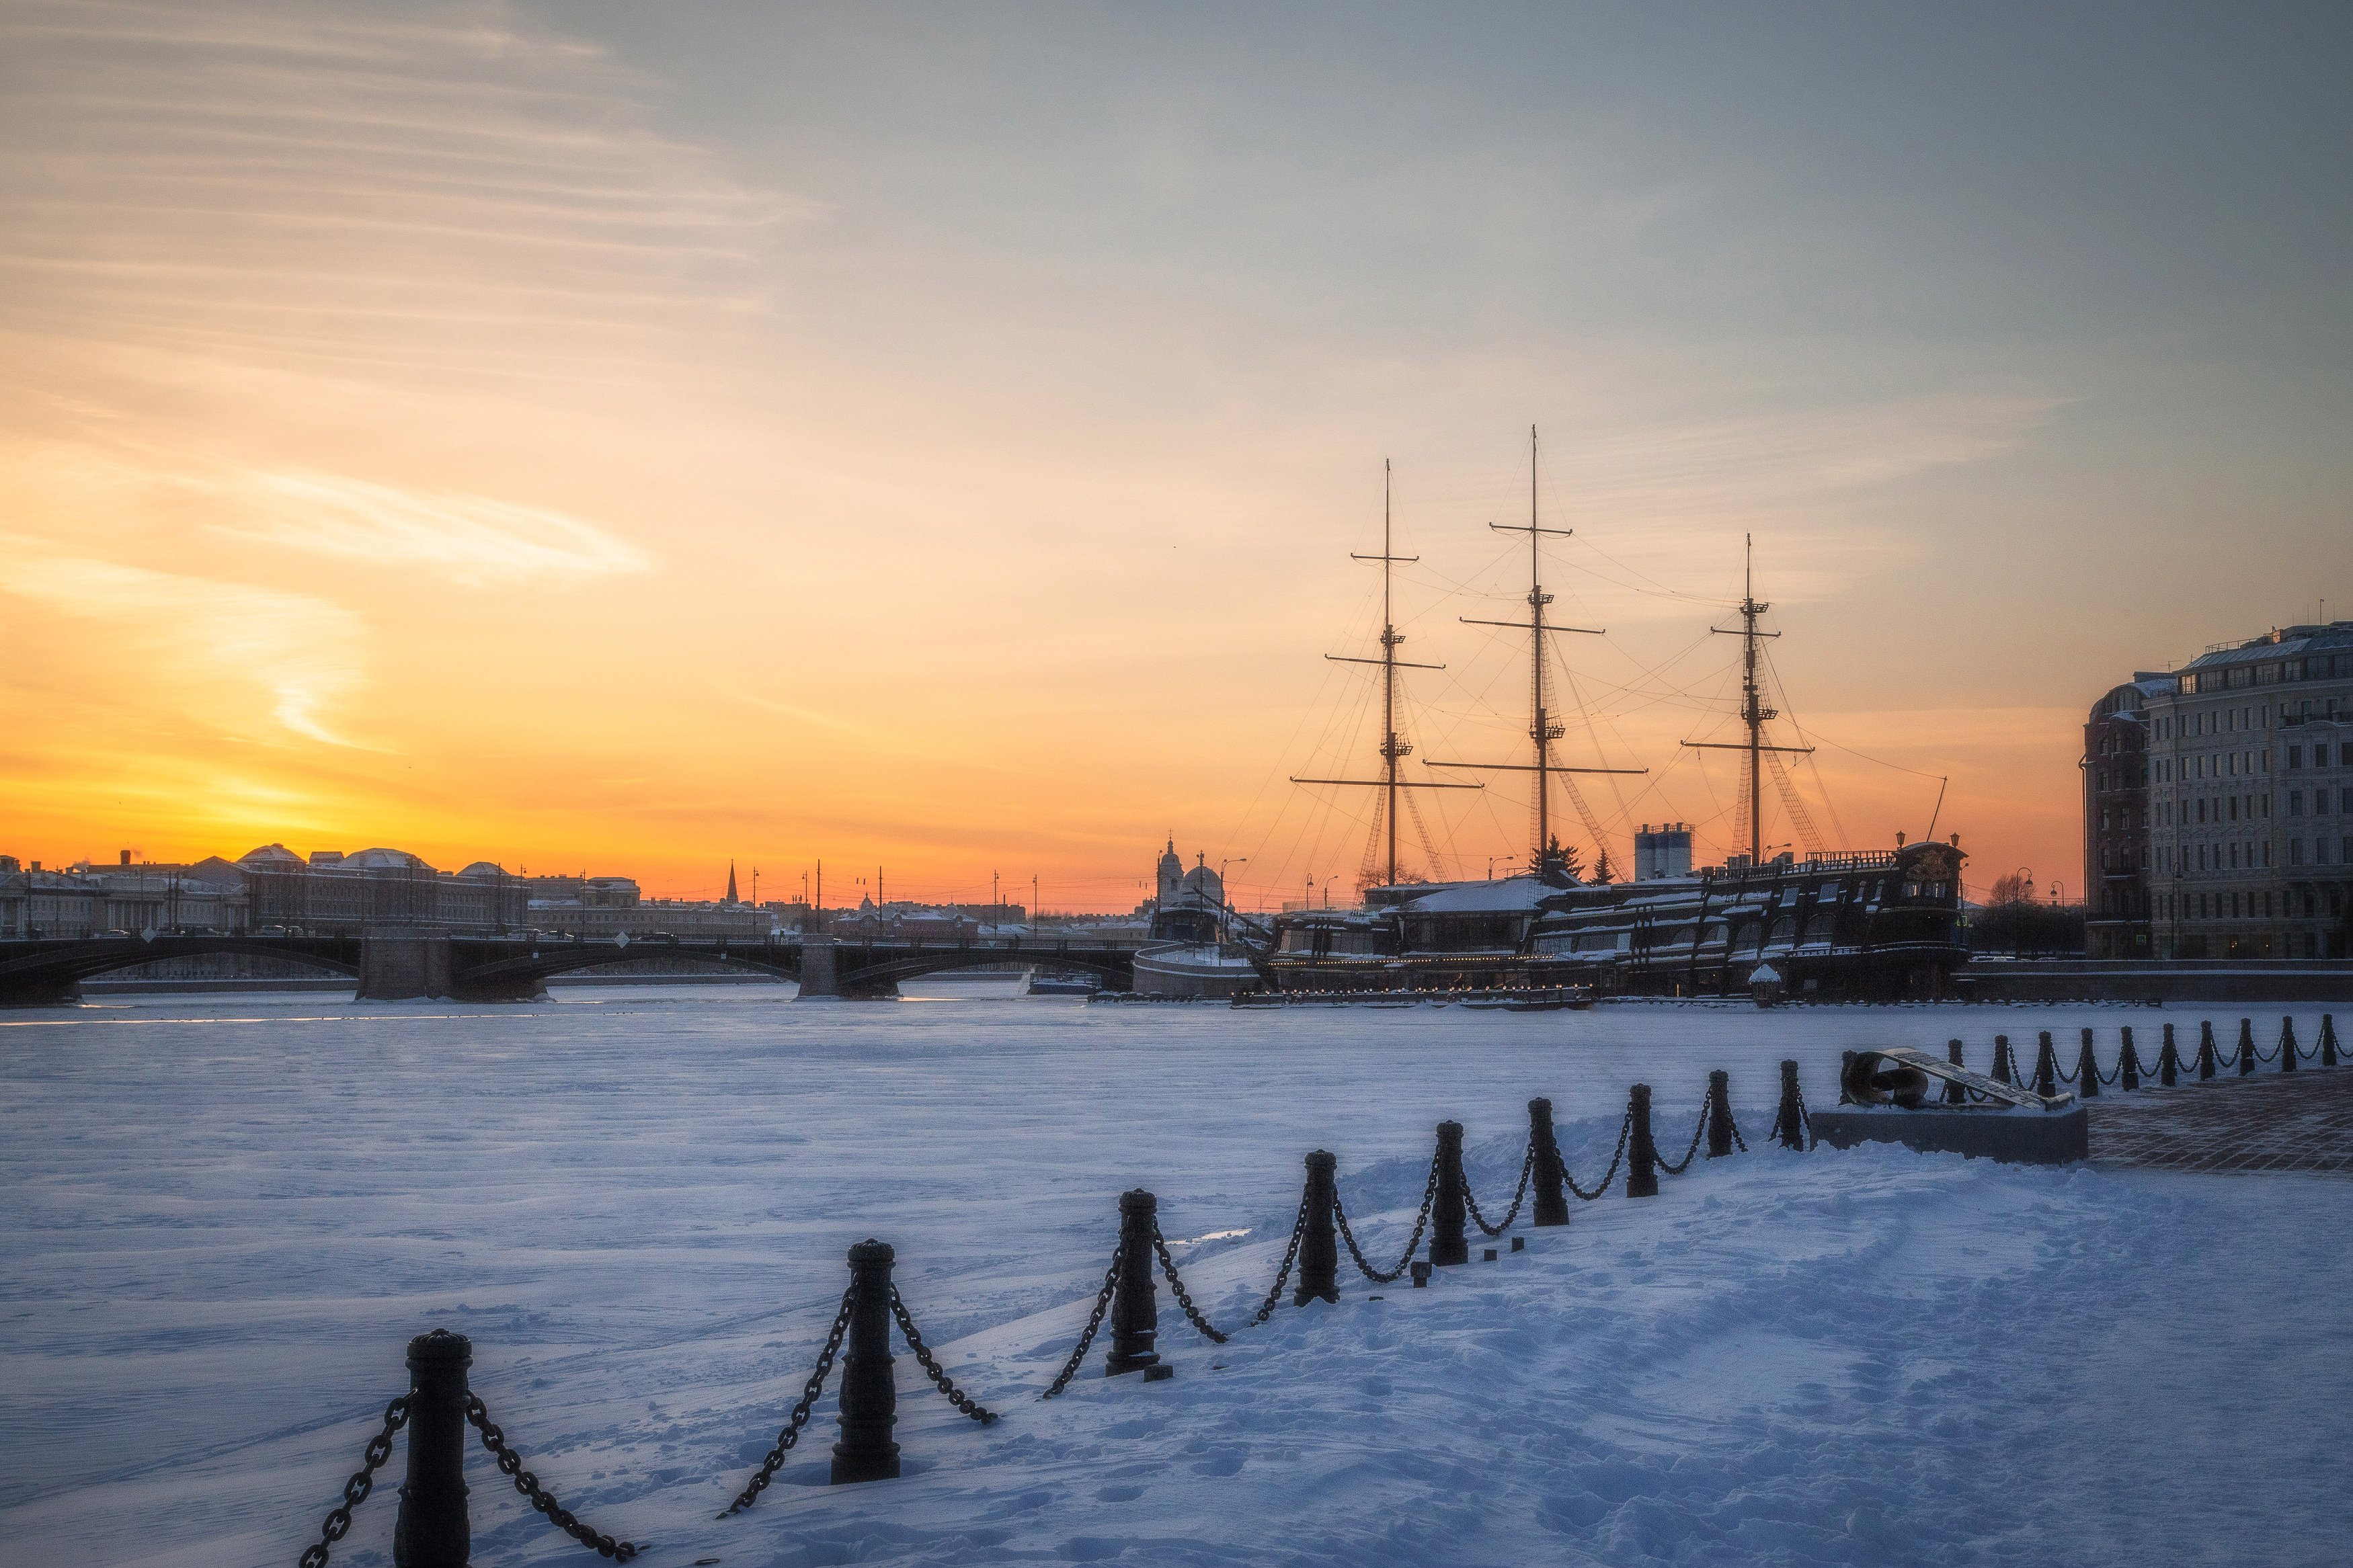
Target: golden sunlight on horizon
(465, 431)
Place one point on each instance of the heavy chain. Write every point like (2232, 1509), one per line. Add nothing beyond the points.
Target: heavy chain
(807, 1402)
(1102, 1303)
(931, 1368)
(1700, 1127)
(1526, 1167)
(1176, 1288)
(357, 1489)
(1420, 1222)
(1289, 1256)
(1601, 1188)
(510, 1466)
(1735, 1127)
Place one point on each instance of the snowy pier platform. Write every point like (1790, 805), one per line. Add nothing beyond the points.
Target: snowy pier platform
(2277, 1121)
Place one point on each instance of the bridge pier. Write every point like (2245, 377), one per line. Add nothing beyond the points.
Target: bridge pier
(819, 975)
(40, 991)
(500, 988)
(404, 964)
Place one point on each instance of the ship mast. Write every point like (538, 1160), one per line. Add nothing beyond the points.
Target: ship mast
(1394, 749)
(1753, 712)
(1542, 728)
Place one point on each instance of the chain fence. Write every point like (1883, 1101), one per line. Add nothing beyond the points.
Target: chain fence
(1791, 1126)
(1421, 1224)
(357, 1489)
(791, 1434)
(510, 1466)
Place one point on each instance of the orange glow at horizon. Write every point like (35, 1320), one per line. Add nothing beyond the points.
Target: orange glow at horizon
(420, 430)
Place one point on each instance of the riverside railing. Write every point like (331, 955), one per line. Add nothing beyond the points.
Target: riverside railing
(433, 1529)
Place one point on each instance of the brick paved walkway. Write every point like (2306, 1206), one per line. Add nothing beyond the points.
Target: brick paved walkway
(2272, 1121)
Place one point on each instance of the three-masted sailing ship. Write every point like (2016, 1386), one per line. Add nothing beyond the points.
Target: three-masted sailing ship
(1871, 924)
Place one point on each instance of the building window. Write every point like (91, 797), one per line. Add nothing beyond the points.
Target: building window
(2295, 802)
(2296, 756)
(2320, 754)
(2295, 851)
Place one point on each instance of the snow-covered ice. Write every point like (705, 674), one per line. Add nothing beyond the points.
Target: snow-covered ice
(225, 1215)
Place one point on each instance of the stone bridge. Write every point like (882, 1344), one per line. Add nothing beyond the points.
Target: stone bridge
(397, 963)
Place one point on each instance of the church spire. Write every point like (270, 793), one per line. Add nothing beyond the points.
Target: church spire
(731, 882)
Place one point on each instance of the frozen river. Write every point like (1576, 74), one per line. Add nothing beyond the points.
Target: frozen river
(225, 1214)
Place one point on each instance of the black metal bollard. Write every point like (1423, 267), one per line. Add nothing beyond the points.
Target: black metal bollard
(2246, 1047)
(2328, 1039)
(1319, 1249)
(2206, 1054)
(1446, 1213)
(432, 1530)
(2128, 1063)
(1134, 1307)
(2004, 1071)
(2087, 1069)
(1792, 1119)
(1953, 1093)
(2046, 1066)
(2288, 1045)
(1551, 1200)
(2168, 1061)
(869, 1396)
(1719, 1114)
(1642, 1154)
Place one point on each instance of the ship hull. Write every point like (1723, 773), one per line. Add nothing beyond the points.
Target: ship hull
(1872, 927)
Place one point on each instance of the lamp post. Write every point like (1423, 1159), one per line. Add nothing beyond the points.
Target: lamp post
(1225, 902)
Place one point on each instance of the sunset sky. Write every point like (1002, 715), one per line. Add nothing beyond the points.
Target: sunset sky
(633, 438)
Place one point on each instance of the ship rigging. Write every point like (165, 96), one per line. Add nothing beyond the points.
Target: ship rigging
(1394, 747)
(1542, 728)
(1754, 713)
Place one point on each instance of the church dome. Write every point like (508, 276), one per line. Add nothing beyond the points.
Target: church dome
(483, 870)
(270, 855)
(382, 860)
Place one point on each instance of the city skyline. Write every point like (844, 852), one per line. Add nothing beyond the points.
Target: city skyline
(562, 435)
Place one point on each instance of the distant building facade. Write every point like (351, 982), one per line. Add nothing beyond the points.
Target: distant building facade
(1663, 851)
(2116, 812)
(331, 892)
(91, 900)
(2251, 796)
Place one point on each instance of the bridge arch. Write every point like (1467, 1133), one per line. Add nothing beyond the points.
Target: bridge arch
(49, 969)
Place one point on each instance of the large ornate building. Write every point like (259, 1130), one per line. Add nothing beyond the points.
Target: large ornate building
(2116, 819)
(2250, 799)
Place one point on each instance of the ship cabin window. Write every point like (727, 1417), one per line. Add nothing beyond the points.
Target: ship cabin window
(1600, 941)
(1785, 927)
(1752, 933)
(1716, 932)
(1822, 926)
(1682, 936)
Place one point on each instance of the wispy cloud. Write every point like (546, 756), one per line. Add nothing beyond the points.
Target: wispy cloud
(440, 189)
(216, 641)
(472, 539)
